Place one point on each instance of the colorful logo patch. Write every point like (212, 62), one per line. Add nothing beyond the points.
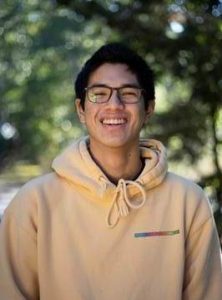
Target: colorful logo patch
(156, 233)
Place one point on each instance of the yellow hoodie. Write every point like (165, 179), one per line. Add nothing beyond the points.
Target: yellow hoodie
(74, 235)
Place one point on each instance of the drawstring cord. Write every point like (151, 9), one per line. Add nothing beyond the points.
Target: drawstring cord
(121, 203)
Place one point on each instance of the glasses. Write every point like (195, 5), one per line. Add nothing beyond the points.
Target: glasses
(102, 93)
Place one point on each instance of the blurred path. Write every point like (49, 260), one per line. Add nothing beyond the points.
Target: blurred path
(7, 192)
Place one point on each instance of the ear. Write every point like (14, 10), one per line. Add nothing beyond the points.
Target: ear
(149, 111)
(80, 111)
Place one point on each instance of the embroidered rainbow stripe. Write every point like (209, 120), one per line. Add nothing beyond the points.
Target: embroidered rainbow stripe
(156, 233)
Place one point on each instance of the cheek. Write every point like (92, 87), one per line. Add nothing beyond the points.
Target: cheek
(90, 114)
(140, 114)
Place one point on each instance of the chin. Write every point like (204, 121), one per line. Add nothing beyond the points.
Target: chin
(114, 143)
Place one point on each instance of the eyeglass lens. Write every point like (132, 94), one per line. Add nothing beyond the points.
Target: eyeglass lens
(101, 94)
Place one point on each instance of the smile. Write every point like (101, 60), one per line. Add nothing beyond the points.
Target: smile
(114, 121)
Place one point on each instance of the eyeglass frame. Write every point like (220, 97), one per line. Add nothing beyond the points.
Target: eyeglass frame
(118, 94)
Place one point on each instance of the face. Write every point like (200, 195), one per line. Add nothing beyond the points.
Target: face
(113, 124)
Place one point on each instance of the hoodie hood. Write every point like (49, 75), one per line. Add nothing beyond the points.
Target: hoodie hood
(76, 165)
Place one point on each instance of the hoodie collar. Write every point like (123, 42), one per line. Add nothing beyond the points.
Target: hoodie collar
(75, 164)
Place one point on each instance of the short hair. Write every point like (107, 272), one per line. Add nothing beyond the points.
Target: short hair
(117, 53)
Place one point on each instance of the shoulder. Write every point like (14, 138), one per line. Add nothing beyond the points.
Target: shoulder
(183, 185)
(25, 207)
(27, 198)
(195, 203)
(40, 182)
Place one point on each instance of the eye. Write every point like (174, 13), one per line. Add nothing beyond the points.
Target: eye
(98, 94)
(128, 91)
(99, 91)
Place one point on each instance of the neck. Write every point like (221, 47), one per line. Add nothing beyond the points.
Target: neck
(118, 163)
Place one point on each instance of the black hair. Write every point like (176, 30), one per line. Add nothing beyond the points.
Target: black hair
(117, 53)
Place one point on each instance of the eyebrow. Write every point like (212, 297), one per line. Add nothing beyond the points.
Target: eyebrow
(133, 85)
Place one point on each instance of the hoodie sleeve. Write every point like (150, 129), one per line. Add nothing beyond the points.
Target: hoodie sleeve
(203, 267)
(18, 253)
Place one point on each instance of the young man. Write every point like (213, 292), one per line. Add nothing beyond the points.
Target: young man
(110, 222)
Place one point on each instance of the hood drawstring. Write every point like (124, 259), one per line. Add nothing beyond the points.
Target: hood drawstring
(121, 203)
(104, 185)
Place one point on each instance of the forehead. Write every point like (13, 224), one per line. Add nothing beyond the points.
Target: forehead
(113, 74)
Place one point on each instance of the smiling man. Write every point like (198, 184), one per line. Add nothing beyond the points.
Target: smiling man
(110, 221)
(114, 115)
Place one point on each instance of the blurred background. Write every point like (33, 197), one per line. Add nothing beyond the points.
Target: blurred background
(43, 44)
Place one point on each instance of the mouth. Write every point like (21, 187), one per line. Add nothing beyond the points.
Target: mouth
(113, 121)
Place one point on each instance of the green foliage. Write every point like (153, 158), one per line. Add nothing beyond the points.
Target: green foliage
(41, 50)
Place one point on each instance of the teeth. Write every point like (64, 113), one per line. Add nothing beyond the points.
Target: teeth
(113, 121)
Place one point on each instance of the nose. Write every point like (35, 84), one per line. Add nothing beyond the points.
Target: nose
(115, 100)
